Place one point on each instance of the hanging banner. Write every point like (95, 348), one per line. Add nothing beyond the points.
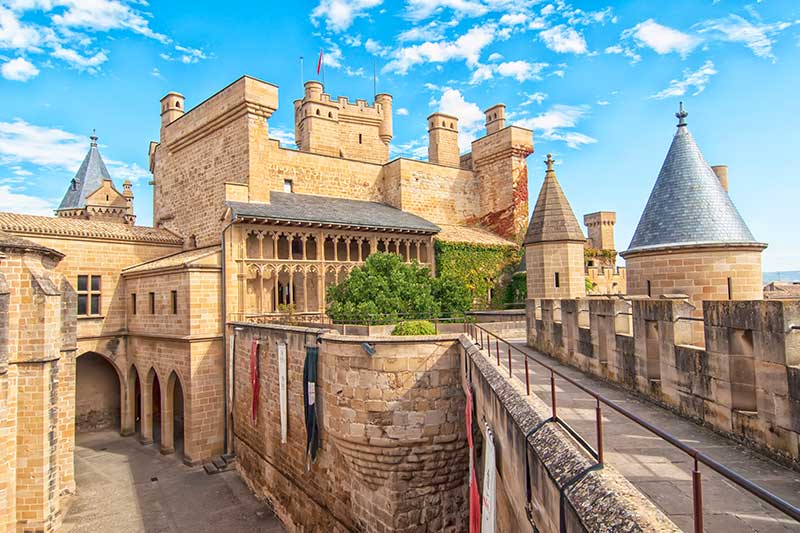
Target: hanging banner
(310, 404)
(488, 511)
(282, 389)
(255, 385)
(474, 494)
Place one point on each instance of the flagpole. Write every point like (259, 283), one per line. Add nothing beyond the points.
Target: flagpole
(302, 85)
(323, 71)
(374, 80)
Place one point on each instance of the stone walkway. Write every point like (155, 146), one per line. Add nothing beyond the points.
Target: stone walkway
(661, 471)
(126, 487)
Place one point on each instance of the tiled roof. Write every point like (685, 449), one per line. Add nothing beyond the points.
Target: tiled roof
(9, 241)
(75, 227)
(472, 235)
(89, 178)
(688, 205)
(305, 209)
(552, 218)
(179, 259)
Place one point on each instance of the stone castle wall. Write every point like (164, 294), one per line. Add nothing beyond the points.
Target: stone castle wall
(393, 445)
(743, 380)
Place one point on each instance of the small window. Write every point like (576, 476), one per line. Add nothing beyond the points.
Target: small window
(106, 197)
(133, 303)
(590, 263)
(359, 138)
(557, 280)
(152, 298)
(649, 291)
(317, 111)
(88, 295)
(178, 105)
(730, 289)
(288, 186)
(174, 301)
(330, 115)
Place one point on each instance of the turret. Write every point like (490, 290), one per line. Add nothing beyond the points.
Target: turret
(443, 140)
(495, 118)
(385, 129)
(721, 171)
(171, 108)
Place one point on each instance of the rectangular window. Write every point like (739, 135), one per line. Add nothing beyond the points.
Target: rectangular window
(152, 298)
(89, 289)
(288, 186)
(557, 280)
(730, 289)
(649, 293)
(133, 303)
(359, 138)
(174, 302)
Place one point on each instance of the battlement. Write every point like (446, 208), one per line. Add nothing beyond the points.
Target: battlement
(337, 127)
(741, 375)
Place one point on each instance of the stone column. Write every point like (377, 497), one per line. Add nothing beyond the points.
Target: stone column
(146, 412)
(167, 429)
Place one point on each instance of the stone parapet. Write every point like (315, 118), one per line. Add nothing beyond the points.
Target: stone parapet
(742, 377)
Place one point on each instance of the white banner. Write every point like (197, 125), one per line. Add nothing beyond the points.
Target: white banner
(283, 393)
(488, 511)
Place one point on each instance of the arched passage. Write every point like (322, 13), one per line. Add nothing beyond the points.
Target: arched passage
(97, 394)
(172, 416)
(151, 408)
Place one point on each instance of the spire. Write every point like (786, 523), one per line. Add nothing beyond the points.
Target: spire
(88, 179)
(681, 115)
(93, 138)
(553, 218)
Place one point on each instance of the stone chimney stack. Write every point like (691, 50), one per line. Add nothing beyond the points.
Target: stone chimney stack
(171, 108)
(443, 140)
(722, 174)
(495, 118)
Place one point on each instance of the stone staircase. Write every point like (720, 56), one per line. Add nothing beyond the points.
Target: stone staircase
(223, 463)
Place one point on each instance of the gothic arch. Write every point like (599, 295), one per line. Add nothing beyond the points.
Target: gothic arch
(99, 396)
(173, 414)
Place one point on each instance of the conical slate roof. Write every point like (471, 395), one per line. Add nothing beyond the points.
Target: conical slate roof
(89, 178)
(688, 205)
(552, 219)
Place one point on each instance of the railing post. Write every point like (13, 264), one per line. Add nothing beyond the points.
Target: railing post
(553, 393)
(509, 360)
(697, 486)
(599, 414)
(527, 380)
(497, 349)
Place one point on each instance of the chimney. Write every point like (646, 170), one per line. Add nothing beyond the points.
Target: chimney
(443, 140)
(722, 174)
(495, 118)
(171, 108)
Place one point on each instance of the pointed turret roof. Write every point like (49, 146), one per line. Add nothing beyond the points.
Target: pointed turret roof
(553, 218)
(89, 178)
(688, 205)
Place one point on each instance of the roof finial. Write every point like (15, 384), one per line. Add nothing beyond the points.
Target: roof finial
(549, 162)
(93, 138)
(681, 114)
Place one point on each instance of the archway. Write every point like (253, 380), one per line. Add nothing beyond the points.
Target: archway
(173, 416)
(155, 396)
(97, 394)
(132, 416)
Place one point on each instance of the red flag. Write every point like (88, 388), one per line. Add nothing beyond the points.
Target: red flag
(254, 381)
(319, 62)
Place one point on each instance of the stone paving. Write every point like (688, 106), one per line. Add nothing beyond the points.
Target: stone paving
(126, 487)
(661, 471)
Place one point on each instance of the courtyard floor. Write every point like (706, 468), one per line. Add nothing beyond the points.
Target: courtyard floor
(126, 487)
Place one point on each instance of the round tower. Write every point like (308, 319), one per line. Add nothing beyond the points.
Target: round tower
(385, 129)
(691, 239)
(171, 107)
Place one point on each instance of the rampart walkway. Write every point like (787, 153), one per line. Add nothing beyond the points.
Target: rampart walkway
(659, 470)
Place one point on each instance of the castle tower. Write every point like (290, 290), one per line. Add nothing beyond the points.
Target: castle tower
(91, 193)
(443, 140)
(338, 128)
(495, 118)
(171, 108)
(601, 229)
(691, 239)
(554, 244)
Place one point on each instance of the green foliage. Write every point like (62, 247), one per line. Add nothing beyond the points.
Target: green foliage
(479, 268)
(414, 327)
(385, 289)
(610, 256)
(590, 285)
(517, 289)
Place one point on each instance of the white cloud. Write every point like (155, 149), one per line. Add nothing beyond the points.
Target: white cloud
(415, 148)
(340, 14)
(375, 48)
(103, 15)
(23, 203)
(19, 69)
(422, 9)
(514, 19)
(757, 37)
(156, 73)
(519, 70)
(467, 47)
(662, 39)
(185, 55)
(15, 34)
(696, 80)
(470, 117)
(603, 102)
(80, 62)
(402, 111)
(563, 39)
(531, 98)
(626, 51)
(559, 117)
(433, 31)
(495, 57)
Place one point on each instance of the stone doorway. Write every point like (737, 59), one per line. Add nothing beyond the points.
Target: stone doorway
(97, 394)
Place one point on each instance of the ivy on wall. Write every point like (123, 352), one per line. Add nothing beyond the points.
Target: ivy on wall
(486, 270)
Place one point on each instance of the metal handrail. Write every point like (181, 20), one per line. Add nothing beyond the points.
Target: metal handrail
(777, 502)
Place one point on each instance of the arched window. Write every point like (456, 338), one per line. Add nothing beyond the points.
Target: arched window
(178, 105)
(330, 115)
(318, 112)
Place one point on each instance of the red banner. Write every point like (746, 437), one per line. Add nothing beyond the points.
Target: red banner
(254, 381)
(474, 494)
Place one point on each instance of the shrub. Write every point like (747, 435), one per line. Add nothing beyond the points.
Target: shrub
(385, 289)
(414, 327)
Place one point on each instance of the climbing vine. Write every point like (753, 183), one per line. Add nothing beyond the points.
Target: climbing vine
(484, 269)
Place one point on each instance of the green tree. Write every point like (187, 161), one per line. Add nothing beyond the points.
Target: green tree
(387, 289)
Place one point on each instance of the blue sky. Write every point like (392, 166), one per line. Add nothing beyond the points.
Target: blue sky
(598, 82)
